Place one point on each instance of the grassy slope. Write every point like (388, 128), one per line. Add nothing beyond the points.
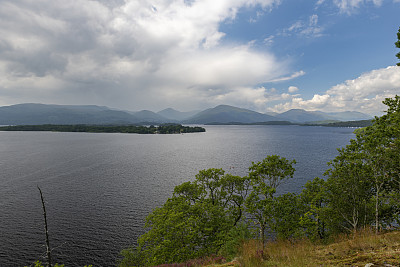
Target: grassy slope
(355, 250)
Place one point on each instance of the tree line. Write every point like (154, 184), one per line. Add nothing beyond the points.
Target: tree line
(216, 211)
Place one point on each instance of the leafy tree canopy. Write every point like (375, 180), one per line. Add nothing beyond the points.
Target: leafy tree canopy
(198, 220)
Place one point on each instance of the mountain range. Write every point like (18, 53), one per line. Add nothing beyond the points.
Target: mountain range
(29, 114)
(303, 116)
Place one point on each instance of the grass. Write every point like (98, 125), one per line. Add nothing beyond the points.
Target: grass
(206, 261)
(346, 250)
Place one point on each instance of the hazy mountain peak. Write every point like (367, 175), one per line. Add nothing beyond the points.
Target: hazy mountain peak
(176, 115)
(295, 110)
(168, 110)
(227, 114)
(301, 116)
(32, 113)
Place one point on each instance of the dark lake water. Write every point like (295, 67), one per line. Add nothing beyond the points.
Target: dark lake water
(99, 187)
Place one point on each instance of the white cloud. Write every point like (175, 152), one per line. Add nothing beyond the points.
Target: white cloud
(259, 98)
(243, 97)
(296, 26)
(128, 54)
(364, 94)
(309, 29)
(318, 102)
(313, 20)
(287, 78)
(270, 39)
(349, 6)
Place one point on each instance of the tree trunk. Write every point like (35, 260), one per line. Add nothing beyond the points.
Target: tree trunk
(48, 251)
(262, 234)
(377, 212)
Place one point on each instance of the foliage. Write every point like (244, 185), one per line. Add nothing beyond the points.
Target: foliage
(271, 171)
(234, 239)
(364, 179)
(349, 190)
(197, 221)
(287, 210)
(380, 146)
(361, 123)
(265, 177)
(313, 220)
(398, 45)
(39, 264)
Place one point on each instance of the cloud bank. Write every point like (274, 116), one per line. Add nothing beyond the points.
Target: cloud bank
(364, 94)
(127, 54)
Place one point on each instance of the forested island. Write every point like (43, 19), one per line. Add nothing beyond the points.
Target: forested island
(161, 129)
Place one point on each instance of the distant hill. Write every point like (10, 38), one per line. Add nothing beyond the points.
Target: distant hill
(350, 116)
(228, 114)
(271, 113)
(300, 115)
(303, 116)
(176, 115)
(36, 114)
(30, 114)
(150, 116)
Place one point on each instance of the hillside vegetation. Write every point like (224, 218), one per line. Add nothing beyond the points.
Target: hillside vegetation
(360, 249)
(357, 250)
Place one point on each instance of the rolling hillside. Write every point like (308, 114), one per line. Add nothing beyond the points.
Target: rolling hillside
(30, 114)
(226, 114)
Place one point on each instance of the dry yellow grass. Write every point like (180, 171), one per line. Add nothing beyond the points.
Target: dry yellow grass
(362, 248)
(350, 250)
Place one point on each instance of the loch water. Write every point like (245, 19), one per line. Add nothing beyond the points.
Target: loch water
(99, 187)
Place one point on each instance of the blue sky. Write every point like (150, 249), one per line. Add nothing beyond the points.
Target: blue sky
(330, 44)
(265, 55)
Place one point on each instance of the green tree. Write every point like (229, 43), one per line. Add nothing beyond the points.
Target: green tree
(367, 171)
(287, 210)
(398, 45)
(265, 177)
(198, 220)
(349, 190)
(380, 143)
(314, 219)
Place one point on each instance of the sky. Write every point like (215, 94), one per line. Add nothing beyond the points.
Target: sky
(263, 55)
